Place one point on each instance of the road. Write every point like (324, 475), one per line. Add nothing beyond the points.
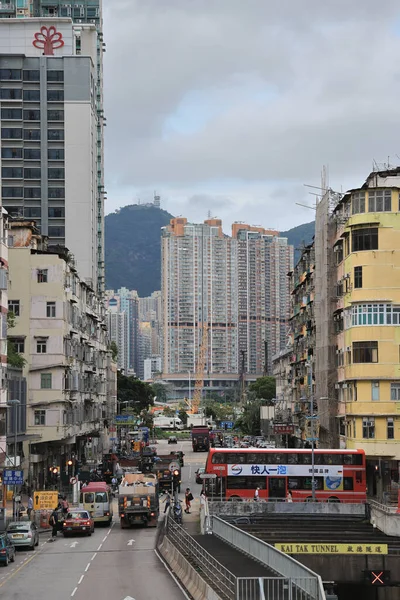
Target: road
(112, 563)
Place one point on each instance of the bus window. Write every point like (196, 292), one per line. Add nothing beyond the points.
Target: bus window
(218, 458)
(101, 497)
(359, 477)
(348, 484)
(357, 459)
(307, 483)
(306, 459)
(255, 458)
(294, 483)
(243, 483)
(235, 458)
(291, 459)
(333, 459)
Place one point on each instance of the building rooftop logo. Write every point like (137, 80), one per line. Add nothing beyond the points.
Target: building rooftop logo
(48, 39)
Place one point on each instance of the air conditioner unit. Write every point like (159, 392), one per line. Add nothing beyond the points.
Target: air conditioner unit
(348, 348)
(345, 386)
(337, 386)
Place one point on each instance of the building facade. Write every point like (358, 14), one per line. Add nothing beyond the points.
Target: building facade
(4, 267)
(50, 122)
(151, 367)
(60, 331)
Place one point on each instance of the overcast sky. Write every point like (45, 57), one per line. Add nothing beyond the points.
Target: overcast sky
(233, 105)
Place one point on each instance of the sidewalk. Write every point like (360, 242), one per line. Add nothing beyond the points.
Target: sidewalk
(35, 515)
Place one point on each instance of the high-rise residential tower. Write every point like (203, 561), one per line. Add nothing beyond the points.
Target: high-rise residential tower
(263, 262)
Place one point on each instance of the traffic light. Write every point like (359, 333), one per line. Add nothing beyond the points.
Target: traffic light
(176, 479)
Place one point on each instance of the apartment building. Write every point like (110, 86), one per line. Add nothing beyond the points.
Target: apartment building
(360, 237)
(117, 326)
(60, 330)
(51, 134)
(263, 262)
(199, 298)
(3, 332)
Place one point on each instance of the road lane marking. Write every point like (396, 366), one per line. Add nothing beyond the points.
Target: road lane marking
(87, 567)
(99, 548)
(104, 538)
(130, 542)
(74, 544)
(81, 579)
(94, 556)
(74, 592)
(24, 563)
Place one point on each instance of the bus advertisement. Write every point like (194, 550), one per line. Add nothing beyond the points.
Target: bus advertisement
(280, 474)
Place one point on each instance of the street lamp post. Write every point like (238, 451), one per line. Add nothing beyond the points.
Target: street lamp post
(15, 402)
(190, 392)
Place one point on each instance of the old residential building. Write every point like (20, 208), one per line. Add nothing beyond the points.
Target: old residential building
(3, 331)
(60, 331)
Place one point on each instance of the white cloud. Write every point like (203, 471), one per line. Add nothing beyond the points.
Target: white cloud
(282, 87)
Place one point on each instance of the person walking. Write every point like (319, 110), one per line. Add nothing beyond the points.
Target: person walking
(167, 502)
(29, 507)
(64, 506)
(256, 494)
(289, 496)
(53, 521)
(188, 500)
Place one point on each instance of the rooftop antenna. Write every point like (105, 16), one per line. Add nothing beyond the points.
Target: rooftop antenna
(209, 214)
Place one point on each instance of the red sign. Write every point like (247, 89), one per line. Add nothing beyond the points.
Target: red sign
(283, 429)
(48, 39)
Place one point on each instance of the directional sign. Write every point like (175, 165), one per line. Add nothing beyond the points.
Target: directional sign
(227, 424)
(125, 419)
(208, 476)
(13, 477)
(45, 500)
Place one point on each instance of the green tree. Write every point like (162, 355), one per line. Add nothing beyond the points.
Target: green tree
(14, 359)
(182, 414)
(168, 411)
(137, 394)
(264, 388)
(160, 391)
(114, 351)
(249, 422)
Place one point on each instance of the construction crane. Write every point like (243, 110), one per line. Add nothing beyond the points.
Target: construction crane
(198, 388)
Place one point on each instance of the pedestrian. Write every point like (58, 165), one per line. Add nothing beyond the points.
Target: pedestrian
(203, 498)
(289, 496)
(167, 502)
(53, 521)
(256, 494)
(29, 507)
(188, 499)
(64, 506)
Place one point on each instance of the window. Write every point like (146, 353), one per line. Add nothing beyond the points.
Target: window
(57, 232)
(32, 212)
(11, 172)
(11, 94)
(11, 113)
(56, 173)
(395, 391)
(55, 75)
(19, 344)
(368, 428)
(10, 74)
(55, 115)
(42, 275)
(11, 153)
(56, 153)
(375, 314)
(56, 192)
(57, 212)
(364, 239)
(390, 428)
(32, 75)
(31, 115)
(55, 95)
(358, 277)
(11, 133)
(32, 173)
(338, 249)
(50, 309)
(32, 193)
(375, 391)
(45, 381)
(12, 192)
(40, 417)
(14, 306)
(55, 134)
(32, 153)
(32, 134)
(41, 346)
(365, 352)
(380, 201)
(32, 95)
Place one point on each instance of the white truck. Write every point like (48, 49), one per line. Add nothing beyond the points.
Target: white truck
(168, 422)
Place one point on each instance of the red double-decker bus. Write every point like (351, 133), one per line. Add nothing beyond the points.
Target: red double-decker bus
(339, 475)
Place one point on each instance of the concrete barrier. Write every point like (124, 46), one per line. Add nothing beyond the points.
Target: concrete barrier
(385, 518)
(239, 509)
(197, 587)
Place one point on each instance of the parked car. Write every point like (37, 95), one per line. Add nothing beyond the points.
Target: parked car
(172, 439)
(7, 550)
(199, 471)
(23, 533)
(77, 521)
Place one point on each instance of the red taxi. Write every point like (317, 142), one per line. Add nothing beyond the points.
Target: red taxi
(78, 521)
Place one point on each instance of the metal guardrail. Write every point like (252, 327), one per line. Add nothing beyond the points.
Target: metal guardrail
(221, 577)
(386, 508)
(302, 578)
(272, 588)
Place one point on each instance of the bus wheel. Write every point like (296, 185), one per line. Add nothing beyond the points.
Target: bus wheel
(309, 499)
(235, 499)
(333, 499)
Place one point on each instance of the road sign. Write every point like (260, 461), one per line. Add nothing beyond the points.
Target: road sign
(283, 429)
(227, 424)
(173, 466)
(45, 500)
(208, 476)
(377, 577)
(73, 480)
(13, 477)
(125, 419)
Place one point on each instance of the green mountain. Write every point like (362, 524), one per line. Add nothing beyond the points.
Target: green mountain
(133, 248)
(300, 236)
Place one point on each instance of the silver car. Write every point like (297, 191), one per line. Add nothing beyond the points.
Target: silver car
(23, 533)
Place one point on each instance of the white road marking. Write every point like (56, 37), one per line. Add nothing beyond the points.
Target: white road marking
(74, 592)
(99, 548)
(94, 556)
(104, 538)
(130, 543)
(87, 567)
(81, 579)
(129, 598)
(74, 544)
